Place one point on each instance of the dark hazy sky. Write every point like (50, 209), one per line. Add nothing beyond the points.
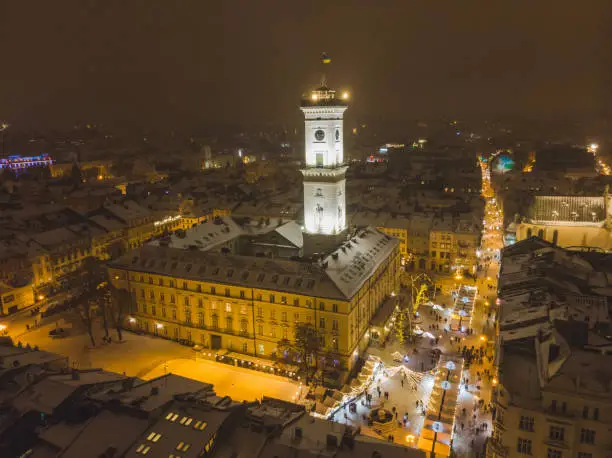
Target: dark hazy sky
(182, 62)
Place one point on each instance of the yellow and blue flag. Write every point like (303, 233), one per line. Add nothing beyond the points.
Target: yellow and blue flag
(325, 58)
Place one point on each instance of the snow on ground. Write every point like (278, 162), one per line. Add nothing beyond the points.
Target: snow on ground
(238, 383)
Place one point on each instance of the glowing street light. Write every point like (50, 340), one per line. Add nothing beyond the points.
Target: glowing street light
(345, 95)
(593, 147)
(314, 97)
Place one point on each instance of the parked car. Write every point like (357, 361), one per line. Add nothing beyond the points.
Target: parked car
(58, 333)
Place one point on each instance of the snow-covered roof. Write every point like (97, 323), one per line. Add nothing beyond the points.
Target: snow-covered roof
(340, 275)
(128, 210)
(217, 232)
(292, 232)
(356, 260)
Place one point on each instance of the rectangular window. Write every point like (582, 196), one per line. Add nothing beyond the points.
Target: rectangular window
(162, 298)
(242, 294)
(243, 309)
(227, 292)
(272, 298)
(335, 325)
(285, 333)
(284, 316)
(164, 312)
(523, 446)
(322, 323)
(585, 455)
(213, 290)
(335, 308)
(185, 285)
(201, 319)
(296, 302)
(260, 349)
(596, 413)
(587, 436)
(200, 303)
(171, 283)
(260, 311)
(585, 412)
(526, 423)
(556, 433)
(296, 317)
(260, 329)
(161, 282)
(186, 300)
(245, 348)
(321, 305)
(153, 436)
(143, 449)
(273, 332)
(174, 314)
(153, 310)
(273, 314)
(228, 307)
(172, 299)
(553, 453)
(283, 299)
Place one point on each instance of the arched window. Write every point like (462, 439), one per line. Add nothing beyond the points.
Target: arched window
(541, 234)
(529, 233)
(555, 237)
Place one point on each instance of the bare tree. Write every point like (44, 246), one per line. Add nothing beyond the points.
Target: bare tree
(120, 304)
(306, 347)
(91, 276)
(88, 309)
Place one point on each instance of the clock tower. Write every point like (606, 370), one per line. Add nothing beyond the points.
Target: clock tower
(324, 171)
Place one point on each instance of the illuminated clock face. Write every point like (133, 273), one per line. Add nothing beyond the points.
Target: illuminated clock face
(319, 135)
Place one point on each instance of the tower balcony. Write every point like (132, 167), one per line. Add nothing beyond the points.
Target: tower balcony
(324, 97)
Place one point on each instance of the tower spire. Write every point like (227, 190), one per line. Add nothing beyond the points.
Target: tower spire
(325, 60)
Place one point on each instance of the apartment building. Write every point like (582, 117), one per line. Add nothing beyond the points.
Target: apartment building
(554, 397)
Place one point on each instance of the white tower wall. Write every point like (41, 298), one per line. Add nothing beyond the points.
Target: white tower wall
(324, 174)
(324, 206)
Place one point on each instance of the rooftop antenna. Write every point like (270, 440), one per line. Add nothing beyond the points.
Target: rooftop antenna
(324, 61)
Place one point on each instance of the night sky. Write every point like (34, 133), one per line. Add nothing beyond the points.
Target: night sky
(186, 63)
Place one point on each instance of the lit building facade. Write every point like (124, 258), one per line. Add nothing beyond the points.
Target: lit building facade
(569, 221)
(249, 304)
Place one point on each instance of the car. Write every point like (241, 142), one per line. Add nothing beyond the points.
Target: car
(58, 333)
